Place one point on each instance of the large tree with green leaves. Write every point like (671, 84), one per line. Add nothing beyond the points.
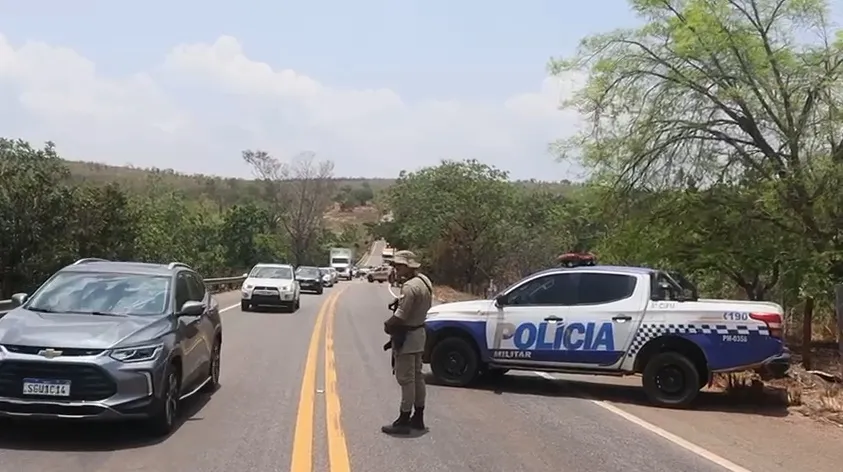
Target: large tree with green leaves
(711, 92)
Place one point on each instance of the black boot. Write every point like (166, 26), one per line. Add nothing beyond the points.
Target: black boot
(400, 426)
(417, 420)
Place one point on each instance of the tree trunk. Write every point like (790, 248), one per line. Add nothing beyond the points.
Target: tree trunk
(838, 299)
(807, 329)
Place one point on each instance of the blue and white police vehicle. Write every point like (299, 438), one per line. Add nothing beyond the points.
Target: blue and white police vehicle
(604, 320)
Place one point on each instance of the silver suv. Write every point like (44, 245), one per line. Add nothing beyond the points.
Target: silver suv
(110, 340)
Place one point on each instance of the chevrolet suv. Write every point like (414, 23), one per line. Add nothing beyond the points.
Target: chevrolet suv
(110, 340)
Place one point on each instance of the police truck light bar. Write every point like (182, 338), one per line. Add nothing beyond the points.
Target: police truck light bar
(577, 259)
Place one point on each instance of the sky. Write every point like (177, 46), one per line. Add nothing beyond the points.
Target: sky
(376, 86)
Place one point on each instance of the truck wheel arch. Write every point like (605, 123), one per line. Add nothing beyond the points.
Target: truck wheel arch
(674, 343)
(449, 332)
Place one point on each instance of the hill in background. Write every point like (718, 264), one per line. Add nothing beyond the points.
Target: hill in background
(198, 184)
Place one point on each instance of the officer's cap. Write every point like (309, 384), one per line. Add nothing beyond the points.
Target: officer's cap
(407, 258)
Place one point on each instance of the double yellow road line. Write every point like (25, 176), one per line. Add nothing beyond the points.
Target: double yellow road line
(302, 458)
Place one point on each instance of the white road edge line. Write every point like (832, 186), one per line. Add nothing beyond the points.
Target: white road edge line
(683, 443)
(223, 310)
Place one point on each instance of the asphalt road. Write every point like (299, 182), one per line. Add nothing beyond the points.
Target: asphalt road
(309, 391)
(290, 401)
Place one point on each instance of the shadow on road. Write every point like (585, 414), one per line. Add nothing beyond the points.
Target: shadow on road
(46, 435)
(269, 309)
(773, 403)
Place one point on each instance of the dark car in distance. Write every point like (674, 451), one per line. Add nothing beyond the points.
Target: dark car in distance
(103, 340)
(310, 279)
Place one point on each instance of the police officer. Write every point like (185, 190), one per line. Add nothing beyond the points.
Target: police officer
(407, 338)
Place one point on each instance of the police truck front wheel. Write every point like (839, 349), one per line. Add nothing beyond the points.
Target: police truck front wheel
(671, 380)
(454, 362)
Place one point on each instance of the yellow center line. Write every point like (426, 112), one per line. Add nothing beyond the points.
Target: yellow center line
(337, 447)
(302, 460)
(302, 455)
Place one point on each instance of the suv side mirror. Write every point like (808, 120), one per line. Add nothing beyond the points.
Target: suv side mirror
(192, 308)
(19, 299)
(500, 300)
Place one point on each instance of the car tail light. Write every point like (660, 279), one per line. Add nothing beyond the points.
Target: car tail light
(772, 320)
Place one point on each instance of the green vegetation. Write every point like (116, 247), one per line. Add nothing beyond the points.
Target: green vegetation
(50, 217)
(714, 137)
(714, 134)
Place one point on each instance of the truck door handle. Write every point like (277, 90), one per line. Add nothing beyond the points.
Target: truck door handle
(553, 318)
(621, 318)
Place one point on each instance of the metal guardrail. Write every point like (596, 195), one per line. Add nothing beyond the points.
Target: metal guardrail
(216, 285)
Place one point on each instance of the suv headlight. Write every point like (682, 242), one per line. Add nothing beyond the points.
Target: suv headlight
(138, 353)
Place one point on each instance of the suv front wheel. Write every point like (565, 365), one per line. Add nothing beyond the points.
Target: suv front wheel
(165, 409)
(214, 367)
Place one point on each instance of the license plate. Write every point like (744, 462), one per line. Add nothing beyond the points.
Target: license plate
(264, 292)
(50, 388)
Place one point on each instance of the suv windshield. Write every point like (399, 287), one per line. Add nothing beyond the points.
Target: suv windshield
(272, 273)
(310, 272)
(103, 293)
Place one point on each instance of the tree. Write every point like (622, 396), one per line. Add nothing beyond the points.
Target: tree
(33, 214)
(300, 192)
(105, 226)
(243, 232)
(740, 102)
(456, 215)
(715, 91)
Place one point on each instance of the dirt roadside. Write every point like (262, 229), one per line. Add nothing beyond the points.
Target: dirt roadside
(765, 426)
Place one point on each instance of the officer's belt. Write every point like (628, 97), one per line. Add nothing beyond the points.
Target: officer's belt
(398, 336)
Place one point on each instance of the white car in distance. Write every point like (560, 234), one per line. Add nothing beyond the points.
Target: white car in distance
(271, 285)
(333, 273)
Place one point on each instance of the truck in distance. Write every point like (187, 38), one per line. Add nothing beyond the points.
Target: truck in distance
(388, 255)
(342, 260)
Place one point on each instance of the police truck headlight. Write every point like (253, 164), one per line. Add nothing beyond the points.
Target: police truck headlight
(138, 353)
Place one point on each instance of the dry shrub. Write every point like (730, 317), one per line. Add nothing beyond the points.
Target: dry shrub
(831, 398)
(794, 394)
(749, 389)
(807, 392)
(446, 294)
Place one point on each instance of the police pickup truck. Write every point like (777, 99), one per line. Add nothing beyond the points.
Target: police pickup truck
(604, 320)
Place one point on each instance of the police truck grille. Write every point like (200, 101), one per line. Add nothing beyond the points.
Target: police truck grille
(87, 382)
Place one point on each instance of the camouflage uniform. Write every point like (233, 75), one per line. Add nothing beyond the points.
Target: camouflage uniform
(406, 329)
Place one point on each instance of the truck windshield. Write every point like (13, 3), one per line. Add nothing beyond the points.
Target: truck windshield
(339, 260)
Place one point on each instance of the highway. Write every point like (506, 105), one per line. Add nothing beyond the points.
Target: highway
(309, 391)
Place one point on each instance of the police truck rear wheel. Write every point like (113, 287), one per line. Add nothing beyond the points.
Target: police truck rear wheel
(671, 380)
(454, 362)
